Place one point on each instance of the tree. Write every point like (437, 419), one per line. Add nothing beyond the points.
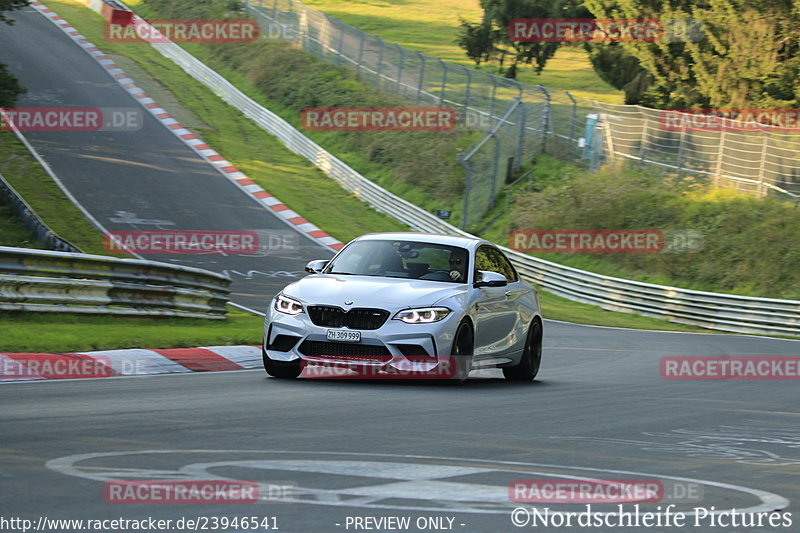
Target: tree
(747, 54)
(10, 88)
(488, 40)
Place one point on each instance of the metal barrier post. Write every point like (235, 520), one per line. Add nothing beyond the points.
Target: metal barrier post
(444, 82)
(467, 91)
(421, 77)
(400, 68)
(379, 67)
(340, 44)
(521, 138)
(360, 52)
(467, 185)
(496, 167)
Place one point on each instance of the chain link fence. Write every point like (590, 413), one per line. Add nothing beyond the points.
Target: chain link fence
(751, 157)
(521, 121)
(515, 117)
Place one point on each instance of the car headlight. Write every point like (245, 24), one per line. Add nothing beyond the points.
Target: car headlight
(287, 305)
(423, 315)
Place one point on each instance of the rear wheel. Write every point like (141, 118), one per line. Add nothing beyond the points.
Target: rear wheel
(281, 369)
(528, 366)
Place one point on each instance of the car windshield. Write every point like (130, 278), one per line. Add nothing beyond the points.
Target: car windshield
(402, 259)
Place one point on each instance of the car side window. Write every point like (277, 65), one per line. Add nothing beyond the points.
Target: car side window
(491, 259)
(504, 266)
(483, 261)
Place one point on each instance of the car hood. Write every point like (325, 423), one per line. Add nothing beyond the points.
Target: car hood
(370, 291)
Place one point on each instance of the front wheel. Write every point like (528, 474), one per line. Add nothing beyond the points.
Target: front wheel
(281, 369)
(528, 366)
(461, 354)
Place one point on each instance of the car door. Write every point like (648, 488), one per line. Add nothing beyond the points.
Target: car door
(518, 297)
(495, 310)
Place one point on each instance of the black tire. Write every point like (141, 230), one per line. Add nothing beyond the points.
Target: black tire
(528, 366)
(281, 369)
(461, 354)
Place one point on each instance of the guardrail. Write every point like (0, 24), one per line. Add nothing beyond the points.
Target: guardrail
(724, 312)
(45, 281)
(31, 220)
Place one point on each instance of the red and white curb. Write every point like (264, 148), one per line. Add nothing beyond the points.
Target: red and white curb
(227, 168)
(133, 362)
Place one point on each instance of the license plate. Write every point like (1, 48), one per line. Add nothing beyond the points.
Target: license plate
(344, 335)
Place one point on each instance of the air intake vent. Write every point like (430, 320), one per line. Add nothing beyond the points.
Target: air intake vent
(357, 318)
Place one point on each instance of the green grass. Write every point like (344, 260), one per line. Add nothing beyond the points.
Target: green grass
(431, 27)
(12, 231)
(55, 332)
(30, 180)
(288, 176)
(557, 308)
(750, 244)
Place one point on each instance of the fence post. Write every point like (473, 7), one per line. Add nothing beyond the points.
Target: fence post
(275, 10)
(467, 92)
(496, 168)
(521, 139)
(681, 150)
(360, 52)
(421, 77)
(467, 185)
(573, 118)
(494, 98)
(400, 68)
(379, 67)
(762, 189)
(340, 44)
(444, 82)
(545, 116)
(718, 170)
(643, 140)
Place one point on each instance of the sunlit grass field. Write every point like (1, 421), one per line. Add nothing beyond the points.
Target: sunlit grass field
(431, 27)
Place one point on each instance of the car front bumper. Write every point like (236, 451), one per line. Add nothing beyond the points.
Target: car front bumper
(399, 347)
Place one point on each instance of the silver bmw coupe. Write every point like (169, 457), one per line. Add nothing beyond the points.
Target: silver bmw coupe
(407, 305)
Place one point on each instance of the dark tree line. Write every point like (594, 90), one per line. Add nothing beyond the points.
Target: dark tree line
(735, 54)
(10, 88)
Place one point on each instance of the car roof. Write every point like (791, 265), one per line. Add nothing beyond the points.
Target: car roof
(451, 240)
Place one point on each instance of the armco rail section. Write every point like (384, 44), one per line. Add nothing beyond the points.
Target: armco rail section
(45, 281)
(717, 311)
(32, 222)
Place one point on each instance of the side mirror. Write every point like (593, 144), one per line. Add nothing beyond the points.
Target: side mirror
(315, 267)
(487, 278)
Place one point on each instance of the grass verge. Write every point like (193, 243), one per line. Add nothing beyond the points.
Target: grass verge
(31, 181)
(12, 231)
(57, 333)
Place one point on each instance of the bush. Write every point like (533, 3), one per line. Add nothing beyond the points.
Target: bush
(750, 243)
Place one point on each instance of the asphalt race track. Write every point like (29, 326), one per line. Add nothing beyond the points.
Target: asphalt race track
(146, 179)
(335, 451)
